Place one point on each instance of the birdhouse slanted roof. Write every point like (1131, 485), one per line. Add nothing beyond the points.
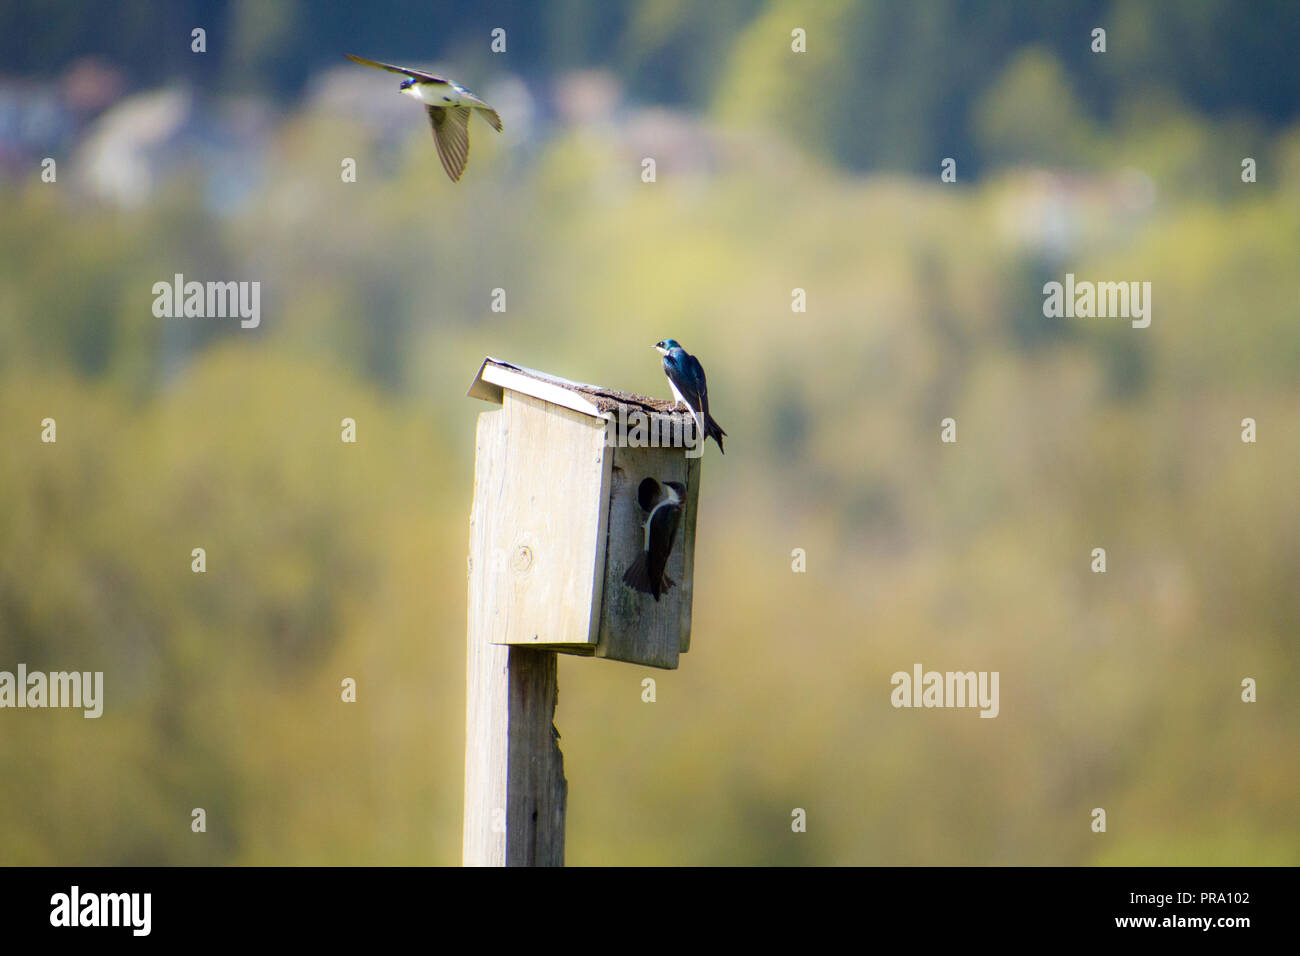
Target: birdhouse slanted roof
(496, 374)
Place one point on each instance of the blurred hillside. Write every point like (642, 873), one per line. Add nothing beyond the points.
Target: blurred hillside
(328, 560)
(889, 84)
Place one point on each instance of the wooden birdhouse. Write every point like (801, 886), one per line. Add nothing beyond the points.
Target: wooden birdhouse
(565, 477)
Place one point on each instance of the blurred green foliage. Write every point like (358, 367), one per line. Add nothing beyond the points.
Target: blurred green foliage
(328, 560)
(886, 83)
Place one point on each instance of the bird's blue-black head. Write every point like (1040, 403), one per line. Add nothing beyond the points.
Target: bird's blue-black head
(666, 346)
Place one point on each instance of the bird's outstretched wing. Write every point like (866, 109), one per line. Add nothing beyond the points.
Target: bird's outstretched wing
(413, 74)
(491, 116)
(451, 134)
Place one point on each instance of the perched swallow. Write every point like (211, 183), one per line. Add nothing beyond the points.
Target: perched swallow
(647, 572)
(686, 376)
(448, 104)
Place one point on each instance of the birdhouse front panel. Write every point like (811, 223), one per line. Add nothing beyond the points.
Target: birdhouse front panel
(635, 626)
(541, 491)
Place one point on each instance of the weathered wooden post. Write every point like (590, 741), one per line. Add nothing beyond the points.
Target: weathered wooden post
(562, 483)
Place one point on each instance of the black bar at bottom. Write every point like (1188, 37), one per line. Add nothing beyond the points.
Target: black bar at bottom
(332, 905)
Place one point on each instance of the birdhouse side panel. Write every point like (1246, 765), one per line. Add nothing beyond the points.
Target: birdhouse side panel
(544, 524)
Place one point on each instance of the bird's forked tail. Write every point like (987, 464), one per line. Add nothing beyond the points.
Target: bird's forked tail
(713, 430)
(638, 578)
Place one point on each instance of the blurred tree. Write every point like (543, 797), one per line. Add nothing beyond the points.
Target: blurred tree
(1030, 115)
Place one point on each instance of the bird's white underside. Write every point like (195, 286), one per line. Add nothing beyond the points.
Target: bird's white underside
(671, 498)
(434, 94)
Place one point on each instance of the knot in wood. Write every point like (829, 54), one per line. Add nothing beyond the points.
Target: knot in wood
(523, 559)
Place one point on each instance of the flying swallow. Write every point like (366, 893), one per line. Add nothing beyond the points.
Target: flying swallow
(448, 105)
(686, 376)
(647, 572)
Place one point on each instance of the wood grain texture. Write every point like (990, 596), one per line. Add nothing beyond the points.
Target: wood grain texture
(487, 708)
(489, 487)
(693, 468)
(486, 665)
(633, 626)
(515, 792)
(538, 524)
(537, 793)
